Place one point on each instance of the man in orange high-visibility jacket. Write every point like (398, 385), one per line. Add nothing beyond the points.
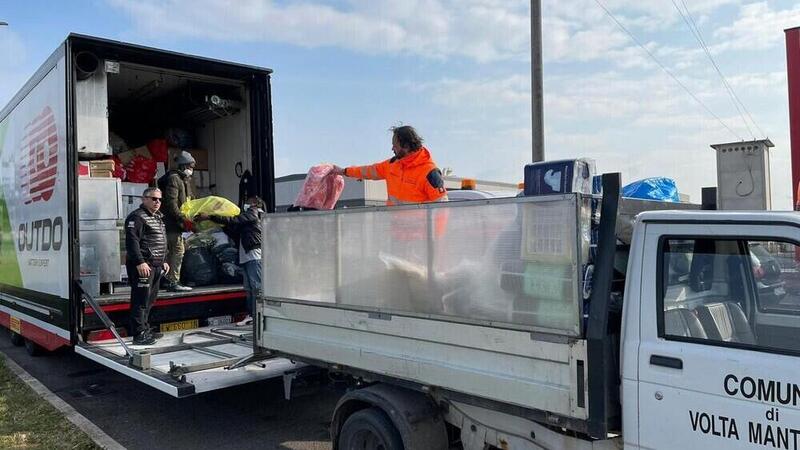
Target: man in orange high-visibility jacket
(411, 175)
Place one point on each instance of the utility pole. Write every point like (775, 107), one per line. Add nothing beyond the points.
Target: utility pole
(537, 97)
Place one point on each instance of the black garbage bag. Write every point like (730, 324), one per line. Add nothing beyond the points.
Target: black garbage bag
(230, 273)
(199, 267)
(227, 254)
(227, 257)
(203, 239)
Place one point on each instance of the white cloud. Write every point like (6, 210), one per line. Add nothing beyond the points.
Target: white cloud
(758, 27)
(483, 30)
(580, 30)
(773, 82)
(514, 90)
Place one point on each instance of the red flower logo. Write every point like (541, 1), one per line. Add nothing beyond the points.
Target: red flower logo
(38, 162)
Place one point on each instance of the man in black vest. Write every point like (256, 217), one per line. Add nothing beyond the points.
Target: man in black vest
(146, 248)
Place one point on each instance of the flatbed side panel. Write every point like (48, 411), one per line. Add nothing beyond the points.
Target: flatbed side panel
(502, 365)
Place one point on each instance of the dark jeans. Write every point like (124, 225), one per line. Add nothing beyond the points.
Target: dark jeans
(144, 291)
(252, 283)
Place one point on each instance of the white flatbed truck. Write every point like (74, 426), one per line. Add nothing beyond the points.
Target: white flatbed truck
(475, 323)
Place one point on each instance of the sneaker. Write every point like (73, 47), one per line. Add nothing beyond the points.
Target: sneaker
(144, 338)
(156, 335)
(244, 322)
(177, 287)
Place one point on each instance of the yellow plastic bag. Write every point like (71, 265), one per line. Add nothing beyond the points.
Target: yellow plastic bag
(211, 205)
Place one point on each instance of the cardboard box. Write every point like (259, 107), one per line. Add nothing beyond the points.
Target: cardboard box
(102, 164)
(103, 168)
(200, 155)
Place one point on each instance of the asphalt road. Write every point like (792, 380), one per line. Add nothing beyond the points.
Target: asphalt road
(140, 417)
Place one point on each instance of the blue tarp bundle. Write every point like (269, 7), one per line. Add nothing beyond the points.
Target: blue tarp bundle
(656, 188)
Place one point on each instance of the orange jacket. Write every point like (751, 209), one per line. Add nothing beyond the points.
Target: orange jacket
(413, 179)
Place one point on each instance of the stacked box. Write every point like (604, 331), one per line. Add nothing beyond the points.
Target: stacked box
(103, 168)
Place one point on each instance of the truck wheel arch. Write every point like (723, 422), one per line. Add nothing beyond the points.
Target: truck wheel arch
(412, 413)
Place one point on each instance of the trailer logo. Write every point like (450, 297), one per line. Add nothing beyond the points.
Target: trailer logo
(38, 163)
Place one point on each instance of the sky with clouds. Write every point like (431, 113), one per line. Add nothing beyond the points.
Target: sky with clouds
(459, 70)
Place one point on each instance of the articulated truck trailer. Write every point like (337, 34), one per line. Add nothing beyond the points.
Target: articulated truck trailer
(61, 248)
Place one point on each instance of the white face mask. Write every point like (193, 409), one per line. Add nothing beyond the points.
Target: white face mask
(188, 172)
(254, 208)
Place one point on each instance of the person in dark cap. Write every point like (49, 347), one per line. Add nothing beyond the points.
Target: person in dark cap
(176, 186)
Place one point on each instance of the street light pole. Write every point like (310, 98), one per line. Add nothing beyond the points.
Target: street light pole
(537, 96)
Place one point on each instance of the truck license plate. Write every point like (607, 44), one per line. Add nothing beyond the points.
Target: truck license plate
(179, 326)
(15, 325)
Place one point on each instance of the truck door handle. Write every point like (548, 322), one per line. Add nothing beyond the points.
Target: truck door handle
(666, 361)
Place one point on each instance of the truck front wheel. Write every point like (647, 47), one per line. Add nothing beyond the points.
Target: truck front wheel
(33, 348)
(369, 429)
(16, 339)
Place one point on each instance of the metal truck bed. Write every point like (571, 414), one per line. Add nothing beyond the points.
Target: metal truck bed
(481, 298)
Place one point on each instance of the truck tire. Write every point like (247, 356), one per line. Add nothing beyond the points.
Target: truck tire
(369, 429)
(32, 348)
(16, 339)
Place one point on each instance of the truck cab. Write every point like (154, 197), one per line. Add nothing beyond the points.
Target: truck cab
(709, 341)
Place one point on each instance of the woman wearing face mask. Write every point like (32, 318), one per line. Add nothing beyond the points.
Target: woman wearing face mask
(176, 188)
(247, 227)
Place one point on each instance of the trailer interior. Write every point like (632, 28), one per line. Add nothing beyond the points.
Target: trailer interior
(145, 103)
